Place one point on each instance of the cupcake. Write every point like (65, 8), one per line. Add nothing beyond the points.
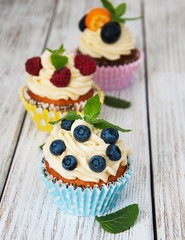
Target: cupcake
(57, 82)
(85, 164)
(107, 39)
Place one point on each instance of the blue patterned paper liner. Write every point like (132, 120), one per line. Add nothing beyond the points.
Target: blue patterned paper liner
(84, 201)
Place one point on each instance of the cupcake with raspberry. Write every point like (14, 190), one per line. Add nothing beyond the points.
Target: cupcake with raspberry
(109, 42)
(85, 164)
(57, 82)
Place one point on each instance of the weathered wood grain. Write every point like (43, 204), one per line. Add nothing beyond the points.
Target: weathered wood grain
(165, 31)
(23, 30)
(27, 211)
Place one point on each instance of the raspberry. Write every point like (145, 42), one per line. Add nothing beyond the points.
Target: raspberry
(33, 66)
(61, 78)
(85, 64)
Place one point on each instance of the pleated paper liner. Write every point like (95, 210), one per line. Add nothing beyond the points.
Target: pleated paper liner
(42, 116)
(116, 77)
(84, 201)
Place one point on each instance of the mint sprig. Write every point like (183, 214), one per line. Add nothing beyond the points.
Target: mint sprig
(92, 110)
(57, 51)
(117, 12)
(119, 221)
(57, 60)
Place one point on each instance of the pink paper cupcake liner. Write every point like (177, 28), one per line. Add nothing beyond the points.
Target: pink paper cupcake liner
(116, 77)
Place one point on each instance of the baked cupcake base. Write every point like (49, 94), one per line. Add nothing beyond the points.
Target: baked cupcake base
(42, 113)
(82, 201)
(124, 59)
(61, 102)
(77, 182)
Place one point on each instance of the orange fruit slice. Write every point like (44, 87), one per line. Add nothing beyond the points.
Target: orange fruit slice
(96, 18)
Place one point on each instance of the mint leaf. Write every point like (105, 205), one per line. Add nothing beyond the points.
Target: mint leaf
(41, 146)
(92, 108)
(116, 102)
(101, 124)
(119, 221)
(72, 115)
(108, 5)
(58, 61)
(120, 9)
(57, 51)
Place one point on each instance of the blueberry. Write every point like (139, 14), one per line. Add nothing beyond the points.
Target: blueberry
(110, 135)
(81, 133)
(57, 147)
(66, 124)
(110, 32)
(113, 152)
(97, 163)
(69, 162)
(81, 23)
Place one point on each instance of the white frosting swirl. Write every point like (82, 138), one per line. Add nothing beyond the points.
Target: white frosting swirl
(92, 44)
(83, 152)
(41, 85)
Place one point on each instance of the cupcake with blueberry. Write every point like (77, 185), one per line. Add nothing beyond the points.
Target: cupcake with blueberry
(107, 39)
(57, 82)
(85, 164)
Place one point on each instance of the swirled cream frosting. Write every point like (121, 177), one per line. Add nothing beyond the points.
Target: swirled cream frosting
(92, 44)
(41, 85)
(83, 152)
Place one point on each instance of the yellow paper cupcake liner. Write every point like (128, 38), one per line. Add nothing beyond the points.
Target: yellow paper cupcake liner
(42, 117)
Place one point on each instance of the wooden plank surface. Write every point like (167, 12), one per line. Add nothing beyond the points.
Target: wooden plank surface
(27, 211)
(165, 32)
(23, 30)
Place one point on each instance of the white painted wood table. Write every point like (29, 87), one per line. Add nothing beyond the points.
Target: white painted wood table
(157, 118)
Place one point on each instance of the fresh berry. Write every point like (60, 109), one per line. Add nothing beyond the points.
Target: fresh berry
(57, 147)
(69, 162)
(81, 23)
(85, 64)
(110, 135)
(81, 133)
(96, 18)
(66, 124)
(113, 152)
(97, 163)
(110, 32)
(33, 66)
(61, 78)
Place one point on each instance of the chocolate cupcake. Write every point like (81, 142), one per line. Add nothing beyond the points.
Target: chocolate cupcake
(109, 42)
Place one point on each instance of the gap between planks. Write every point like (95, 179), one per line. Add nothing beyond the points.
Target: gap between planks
(25, 114)
(148, 123)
